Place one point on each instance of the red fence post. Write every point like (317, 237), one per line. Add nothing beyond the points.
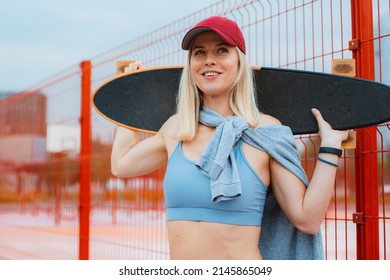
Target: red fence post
(366, 160)
(85, 160)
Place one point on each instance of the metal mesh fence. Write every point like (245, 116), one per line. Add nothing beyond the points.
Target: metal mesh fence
(40, 140)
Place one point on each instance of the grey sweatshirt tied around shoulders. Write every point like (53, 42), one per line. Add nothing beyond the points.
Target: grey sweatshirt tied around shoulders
(279, 239)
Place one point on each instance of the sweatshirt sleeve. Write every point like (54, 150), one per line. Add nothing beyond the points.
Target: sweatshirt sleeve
(280, 239)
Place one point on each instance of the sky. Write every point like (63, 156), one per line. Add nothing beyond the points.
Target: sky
(39, 38)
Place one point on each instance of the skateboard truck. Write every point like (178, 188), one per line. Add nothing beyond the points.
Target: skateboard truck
(121, 65)
(345, 67)
(350, 143)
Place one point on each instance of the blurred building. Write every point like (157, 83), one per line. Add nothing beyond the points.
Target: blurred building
(22, 128)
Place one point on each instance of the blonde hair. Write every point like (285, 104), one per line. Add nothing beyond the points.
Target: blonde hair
(190, 100)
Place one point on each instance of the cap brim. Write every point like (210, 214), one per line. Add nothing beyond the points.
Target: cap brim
(186, 43)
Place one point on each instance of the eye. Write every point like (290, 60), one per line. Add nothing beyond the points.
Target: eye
(223, 50)
(198, 52)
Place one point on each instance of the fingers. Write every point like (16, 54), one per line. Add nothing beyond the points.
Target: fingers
(328, 135)
(317, 114)
(322, 124)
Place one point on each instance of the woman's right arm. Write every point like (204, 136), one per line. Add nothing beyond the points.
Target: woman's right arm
(131, 157)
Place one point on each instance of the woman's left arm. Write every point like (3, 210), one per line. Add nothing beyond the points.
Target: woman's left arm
(306, 207)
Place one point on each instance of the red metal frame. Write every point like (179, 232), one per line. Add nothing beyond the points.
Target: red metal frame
(54, 195)
(85, 160)
(366, 151)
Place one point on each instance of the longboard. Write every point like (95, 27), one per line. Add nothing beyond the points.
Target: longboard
(143, 100)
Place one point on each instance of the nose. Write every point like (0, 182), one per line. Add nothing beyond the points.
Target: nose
(210, 59)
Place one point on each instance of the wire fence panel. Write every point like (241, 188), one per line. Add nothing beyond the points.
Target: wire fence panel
(39, 170)
(381, 18)
(40, 140)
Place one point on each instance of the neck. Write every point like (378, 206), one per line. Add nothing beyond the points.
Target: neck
(219, 106)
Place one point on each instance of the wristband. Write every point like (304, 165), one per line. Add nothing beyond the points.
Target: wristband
(329, 150)
(327, 162)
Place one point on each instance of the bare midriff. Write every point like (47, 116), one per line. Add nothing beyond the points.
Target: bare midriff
(191, 240)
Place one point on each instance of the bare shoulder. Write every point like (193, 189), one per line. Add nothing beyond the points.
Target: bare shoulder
(168, 129)
(266, 120)
(168, 133)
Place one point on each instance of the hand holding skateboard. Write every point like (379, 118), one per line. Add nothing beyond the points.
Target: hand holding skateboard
(329, 136)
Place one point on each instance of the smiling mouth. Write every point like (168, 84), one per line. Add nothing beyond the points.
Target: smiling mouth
(211, 74)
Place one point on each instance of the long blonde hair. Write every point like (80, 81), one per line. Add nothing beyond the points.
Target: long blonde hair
(190, 100)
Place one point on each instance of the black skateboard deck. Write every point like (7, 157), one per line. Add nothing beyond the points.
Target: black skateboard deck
(143, 100)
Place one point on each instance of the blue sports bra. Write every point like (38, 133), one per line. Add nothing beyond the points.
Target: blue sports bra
(187, 193)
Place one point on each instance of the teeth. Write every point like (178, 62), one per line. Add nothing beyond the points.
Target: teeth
(208, 74)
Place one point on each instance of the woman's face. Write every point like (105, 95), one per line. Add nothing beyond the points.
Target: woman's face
(213, 64)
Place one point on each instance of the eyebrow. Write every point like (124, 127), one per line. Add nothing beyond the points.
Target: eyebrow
(202, 46)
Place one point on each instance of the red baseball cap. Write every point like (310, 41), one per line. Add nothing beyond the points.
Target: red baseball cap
(224, 27)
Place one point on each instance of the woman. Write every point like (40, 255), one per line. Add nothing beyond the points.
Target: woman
(222, 154)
